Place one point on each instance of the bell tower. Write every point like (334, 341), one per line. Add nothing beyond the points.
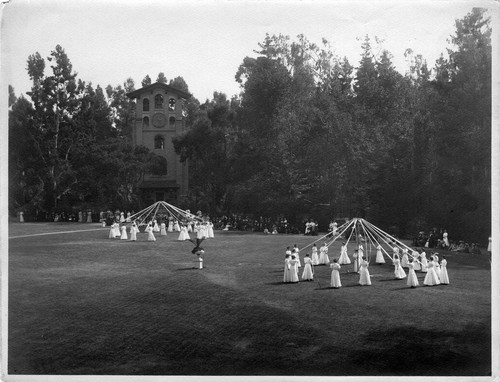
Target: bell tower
(159, 118)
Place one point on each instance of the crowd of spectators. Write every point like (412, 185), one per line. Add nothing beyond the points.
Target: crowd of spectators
(438, 239)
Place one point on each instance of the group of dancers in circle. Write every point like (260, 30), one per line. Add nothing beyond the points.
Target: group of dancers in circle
(436, 272)
(202, 229)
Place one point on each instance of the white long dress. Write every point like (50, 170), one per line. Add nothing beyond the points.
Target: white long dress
(399, 272)
(323, 255)
(156, 227)
(170, 227)
(163, 229)
(294, 271)
(287, 272)
(364, 274)
(151, 236)
(133, 232)
(124, 233)
(183, 235)
(404, 259)
(307, 274)
(412, 280)
(117, 230)
(344, 258)
(112, 231)
(416, 264)
(444, 272)
(210, 230)
(431, 278)
(314, 255)
(380, 257)
(423, 260)
(295, 252)
(335, 279)
(436, 267)
(445, 239)
(177, 228)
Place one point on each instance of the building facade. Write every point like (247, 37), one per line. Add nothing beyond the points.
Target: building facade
(159, 118)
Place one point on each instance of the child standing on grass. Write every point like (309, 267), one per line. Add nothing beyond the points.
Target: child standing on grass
(364, 274)
(444, 272)
(112, 231)
(307, 274)
(314, 255)
(335, 280)
(399, 272)
(412, 276)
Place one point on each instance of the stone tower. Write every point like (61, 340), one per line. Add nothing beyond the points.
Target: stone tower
(159, 118)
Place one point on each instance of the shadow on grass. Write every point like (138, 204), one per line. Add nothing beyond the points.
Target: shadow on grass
(187, 269)
(407, 350)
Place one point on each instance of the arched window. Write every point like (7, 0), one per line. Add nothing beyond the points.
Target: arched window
(145, 122)
(158, 101)
(145, 104)
(171, 104)
(159, 142)
(171, 121)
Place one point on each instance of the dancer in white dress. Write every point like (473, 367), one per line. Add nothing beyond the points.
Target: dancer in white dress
(355, 261)
(404, 258)
(170, 227)
(399, 272)
(183, 235)
(124, 233)
(380, 257)
(444, 272)
(361, 252)
(412, 280)
(307, 274)
(117, 229)
(435, 261)
(133, 232)
(416, 263)
(177, 228)
(287, 272)
(323, 255)
(163, 229)
(314, 255)
(294, 270)
(431, 278)
(112, 231)
(122, 217)
(344, 258)
(156, 227)
(364, 274)
(210, 230)
(295, 252)
(335, 279)
(149, 230)
(423, 261)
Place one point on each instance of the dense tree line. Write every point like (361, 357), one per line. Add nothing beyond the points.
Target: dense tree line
(310, 135)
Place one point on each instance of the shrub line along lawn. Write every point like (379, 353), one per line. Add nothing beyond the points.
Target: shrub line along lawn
(80, 303)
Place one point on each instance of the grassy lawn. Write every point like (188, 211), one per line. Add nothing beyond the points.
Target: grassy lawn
(80, 303)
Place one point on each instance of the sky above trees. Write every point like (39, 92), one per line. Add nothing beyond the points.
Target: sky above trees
(205, 42)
